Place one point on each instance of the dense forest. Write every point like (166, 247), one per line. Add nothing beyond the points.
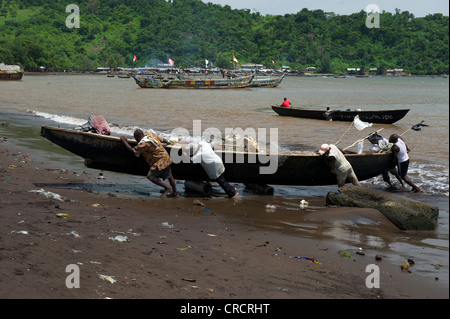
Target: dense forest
(34, 33)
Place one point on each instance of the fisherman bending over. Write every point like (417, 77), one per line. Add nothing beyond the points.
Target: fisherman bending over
(338, 164)
(212, 164)
(150, 146)
(380, 144)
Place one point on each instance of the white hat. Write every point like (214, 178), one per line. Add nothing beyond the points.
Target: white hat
(324, 148)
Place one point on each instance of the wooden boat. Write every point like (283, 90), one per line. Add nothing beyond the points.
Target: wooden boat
(294, 168)
(156, 81)
(266, 81)
(11, 72)
(382, 116)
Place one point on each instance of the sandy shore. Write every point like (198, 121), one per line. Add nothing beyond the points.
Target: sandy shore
(174, 249)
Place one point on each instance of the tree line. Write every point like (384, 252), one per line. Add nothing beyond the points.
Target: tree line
(34, 33)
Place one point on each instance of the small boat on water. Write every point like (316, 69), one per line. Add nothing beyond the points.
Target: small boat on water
(291, 168)
(123, 76)
(10, 72)
(157, 81)
(375, 116)
(266, 81)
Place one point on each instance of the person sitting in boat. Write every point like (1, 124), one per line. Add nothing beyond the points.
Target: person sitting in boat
(150, 146)
(329, 114)
(212, 164)
(286, 103)
(338, 164)
(380, 144)
(400, 157)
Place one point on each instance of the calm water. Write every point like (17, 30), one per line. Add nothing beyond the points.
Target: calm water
(69, 100)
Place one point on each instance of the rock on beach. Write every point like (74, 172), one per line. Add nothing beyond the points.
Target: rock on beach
(403, 212)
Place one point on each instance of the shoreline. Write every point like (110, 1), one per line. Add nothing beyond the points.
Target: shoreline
(443, 75)
(206, 254)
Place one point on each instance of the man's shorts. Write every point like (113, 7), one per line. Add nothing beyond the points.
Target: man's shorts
(163, 174)
(403, 168)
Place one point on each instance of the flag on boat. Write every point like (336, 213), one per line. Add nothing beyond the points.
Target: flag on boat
(360, 147)
(235, 60)
(134, 57)
(170, 61)
(360, 125)
(417, 126)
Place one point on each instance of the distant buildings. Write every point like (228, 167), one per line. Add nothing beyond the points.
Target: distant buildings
(353, 70)
(252, 66)
(395, 72)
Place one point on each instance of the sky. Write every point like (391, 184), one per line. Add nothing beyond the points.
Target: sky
(419, 8)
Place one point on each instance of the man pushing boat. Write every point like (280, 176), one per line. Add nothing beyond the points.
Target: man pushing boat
(338, 164)
(150, 146)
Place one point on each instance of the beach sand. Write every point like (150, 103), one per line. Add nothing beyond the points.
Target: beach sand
(174, 248)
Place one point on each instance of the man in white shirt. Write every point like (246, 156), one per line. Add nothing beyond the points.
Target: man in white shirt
(203, 154)
(338, 164)
(400, 155)
(380, 144)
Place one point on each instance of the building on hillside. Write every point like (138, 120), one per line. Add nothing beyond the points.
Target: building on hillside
(353, 70)
(395, 72)
(252, 67)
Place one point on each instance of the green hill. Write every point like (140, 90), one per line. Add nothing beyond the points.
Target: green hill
(34, 33)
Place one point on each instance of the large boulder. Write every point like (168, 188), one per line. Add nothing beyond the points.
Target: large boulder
(403, 212)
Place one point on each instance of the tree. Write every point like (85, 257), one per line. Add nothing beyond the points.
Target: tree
(33, 31)
(115, 60)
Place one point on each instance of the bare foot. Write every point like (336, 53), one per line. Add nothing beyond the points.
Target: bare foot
(166, 191)
(174, 194)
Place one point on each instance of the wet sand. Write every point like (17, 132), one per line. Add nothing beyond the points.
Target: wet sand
(175, 249)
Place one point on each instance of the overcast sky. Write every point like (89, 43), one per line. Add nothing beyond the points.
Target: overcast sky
(419, 8)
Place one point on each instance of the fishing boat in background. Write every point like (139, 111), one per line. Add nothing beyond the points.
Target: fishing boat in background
(375, 116)
(10, 72)
(178, 82)
(266, 81)
(106, 152)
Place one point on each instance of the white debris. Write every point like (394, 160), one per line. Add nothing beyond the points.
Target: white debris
(47, 194)
(119, 238)
(166, 224)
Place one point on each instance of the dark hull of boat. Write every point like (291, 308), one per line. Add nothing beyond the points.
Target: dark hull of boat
(298, 168)
(383, 116)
